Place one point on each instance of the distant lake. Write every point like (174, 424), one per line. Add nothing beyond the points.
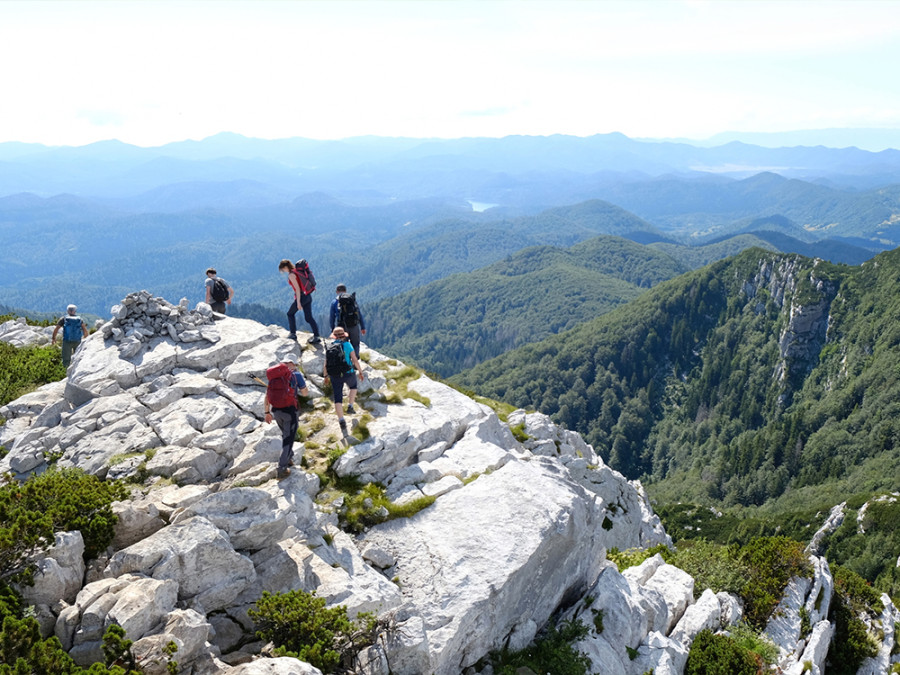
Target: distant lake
(481, 206)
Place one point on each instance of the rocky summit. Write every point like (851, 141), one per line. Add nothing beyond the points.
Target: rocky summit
(522, 516)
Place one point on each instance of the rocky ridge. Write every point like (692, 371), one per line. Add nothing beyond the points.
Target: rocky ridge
(517, 533)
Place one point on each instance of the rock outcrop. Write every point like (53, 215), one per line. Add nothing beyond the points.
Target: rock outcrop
(516, 532)
(18, 333)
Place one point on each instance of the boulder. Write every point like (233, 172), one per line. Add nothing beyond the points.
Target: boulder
(59, 575)
(249, 516)
(197, 555)
(279, 666)
(522, 526)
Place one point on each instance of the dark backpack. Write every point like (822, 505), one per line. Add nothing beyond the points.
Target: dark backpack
(281, 392)
(72, 329)
(305, 276)
(219, 290)
(335, 361)
(348, 312)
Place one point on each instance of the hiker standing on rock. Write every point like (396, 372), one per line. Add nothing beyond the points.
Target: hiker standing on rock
(341, 366)
(73, 330)
(218, 292)
(302, 281)
(285, 382)
(346, 314)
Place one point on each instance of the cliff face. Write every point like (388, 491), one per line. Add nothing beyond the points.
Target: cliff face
(517, 533)
(805, 298)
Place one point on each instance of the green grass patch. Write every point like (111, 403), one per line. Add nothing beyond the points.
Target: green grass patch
(370, 506)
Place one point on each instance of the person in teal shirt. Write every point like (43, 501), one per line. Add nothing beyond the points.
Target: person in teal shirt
(341, 367)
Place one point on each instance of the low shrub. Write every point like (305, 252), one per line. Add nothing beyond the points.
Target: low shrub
(57, 500)
(24, 369)
(552, 652)
(635, 556)
(300, 625)
(713, 654)
(770, 562)
(712, 566)
(851, 643)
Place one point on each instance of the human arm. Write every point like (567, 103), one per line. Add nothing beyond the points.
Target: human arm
(267, 407)
(332, 313)
(84, 330)
(362, 323)
(300, 384)
(55, 331)
(230, 294)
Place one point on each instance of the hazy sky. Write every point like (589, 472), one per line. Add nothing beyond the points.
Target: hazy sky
(152, 72)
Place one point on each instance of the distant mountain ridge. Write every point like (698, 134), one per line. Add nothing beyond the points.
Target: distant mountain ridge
(115, 169)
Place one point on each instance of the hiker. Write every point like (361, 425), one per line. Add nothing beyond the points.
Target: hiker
(300, 279)
(218, 292)
(346, 314)
(341, 366)
(73, 330)
(285, 382)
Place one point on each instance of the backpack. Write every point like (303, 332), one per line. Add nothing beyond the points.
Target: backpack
(72, 329)
(219, 291)
(305, 277)
(281, 392)
(348, 312)
(335, 360)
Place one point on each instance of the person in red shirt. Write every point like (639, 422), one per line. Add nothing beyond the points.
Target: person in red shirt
(302, 300)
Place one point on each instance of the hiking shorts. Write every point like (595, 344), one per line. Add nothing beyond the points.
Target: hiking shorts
(337, 386)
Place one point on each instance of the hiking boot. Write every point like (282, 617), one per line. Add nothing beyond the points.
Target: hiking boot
(351, 410)
(283, 473)
(314, 340)
(292, 336)
(343, 425)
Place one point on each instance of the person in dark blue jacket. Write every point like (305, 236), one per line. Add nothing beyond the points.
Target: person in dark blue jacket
(346, 314)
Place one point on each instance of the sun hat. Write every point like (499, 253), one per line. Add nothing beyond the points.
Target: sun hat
(291, 358)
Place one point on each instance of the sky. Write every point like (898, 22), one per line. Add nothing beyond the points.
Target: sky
(149, 73)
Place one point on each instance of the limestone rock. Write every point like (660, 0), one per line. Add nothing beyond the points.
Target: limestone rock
(197, 555)
(248, 515)
(59, 575)
(279, 666)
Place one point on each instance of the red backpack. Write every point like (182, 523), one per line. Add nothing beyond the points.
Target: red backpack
(281, 392)
(305, 277)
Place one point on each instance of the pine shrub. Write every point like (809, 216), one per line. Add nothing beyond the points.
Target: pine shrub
(23, 369)
(550, 653)
(713, 654)
(300, 625)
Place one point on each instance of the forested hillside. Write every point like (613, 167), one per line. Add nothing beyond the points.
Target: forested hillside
(464, 319)
(418, 257)
(756, 376)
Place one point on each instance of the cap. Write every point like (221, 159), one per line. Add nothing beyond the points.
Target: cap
(291, 358)
(71, 308)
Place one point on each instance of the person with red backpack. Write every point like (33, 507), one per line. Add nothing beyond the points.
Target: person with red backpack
(285, 382)
(301, 280)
